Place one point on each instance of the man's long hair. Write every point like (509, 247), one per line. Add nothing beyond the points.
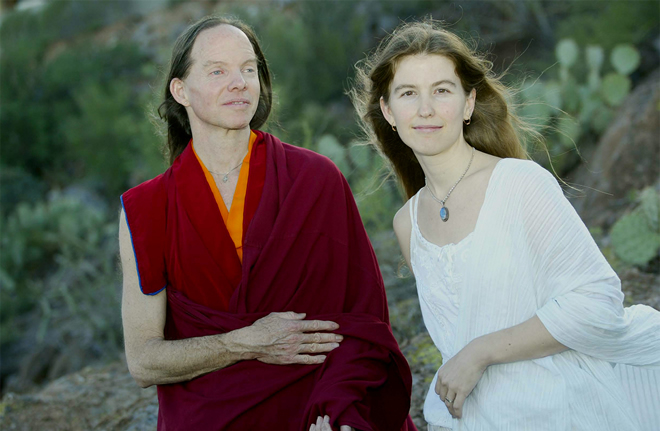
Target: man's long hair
(178, 124)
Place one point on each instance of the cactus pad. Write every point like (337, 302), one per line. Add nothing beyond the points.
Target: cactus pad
(633, 240)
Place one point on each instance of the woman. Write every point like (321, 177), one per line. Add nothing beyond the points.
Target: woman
(523, 307)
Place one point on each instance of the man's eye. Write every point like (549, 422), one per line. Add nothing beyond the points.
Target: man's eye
(442, 90)
(407, 93)
(216, 72)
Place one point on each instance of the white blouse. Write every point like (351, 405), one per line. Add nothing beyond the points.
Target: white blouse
(531, 254)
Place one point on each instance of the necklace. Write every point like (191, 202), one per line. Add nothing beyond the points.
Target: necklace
(444, 212)
(225, 177)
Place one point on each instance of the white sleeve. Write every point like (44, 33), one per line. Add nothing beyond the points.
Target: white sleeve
(581, 303)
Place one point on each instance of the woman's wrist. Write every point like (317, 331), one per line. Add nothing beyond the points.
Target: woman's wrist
(482, 351)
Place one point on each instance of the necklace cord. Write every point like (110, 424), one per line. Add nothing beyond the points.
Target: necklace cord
(442, 202)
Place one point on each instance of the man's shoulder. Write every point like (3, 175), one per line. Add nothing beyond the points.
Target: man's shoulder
(148, 192)
(309, 159)
(299, 160)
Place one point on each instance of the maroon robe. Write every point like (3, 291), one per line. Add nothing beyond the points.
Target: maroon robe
(305, 250)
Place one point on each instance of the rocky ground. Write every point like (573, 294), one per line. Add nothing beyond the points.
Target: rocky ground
(107, 398)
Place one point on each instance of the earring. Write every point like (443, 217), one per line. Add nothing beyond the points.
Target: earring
(394, 128)
(468, 121)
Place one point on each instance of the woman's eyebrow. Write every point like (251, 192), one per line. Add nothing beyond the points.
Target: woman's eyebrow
(435, 84)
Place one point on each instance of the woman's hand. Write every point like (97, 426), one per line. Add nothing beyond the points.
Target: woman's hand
(458, 376)
(285, 338)
(522, 342)
(323, 424)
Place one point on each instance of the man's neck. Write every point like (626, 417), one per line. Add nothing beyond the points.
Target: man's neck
(221, 150)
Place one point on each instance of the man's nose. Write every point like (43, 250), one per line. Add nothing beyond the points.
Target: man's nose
(237, 82)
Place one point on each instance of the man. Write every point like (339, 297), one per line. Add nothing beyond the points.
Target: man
(252, 296)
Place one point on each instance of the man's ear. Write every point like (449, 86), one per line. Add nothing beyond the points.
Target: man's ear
(387, 113)
(178, 91)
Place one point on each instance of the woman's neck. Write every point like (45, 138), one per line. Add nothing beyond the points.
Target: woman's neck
(442, 170)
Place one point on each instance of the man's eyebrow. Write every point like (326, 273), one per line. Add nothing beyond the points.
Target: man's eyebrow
(220, 62)
(435, 84)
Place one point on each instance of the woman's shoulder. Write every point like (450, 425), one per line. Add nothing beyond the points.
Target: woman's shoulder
(525, 174)
(402, 221)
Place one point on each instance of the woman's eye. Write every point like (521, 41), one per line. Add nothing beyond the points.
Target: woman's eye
(442, 90)
(250, 70)
(407, 93)
(216, 72)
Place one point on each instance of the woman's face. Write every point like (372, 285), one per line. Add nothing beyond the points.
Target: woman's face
(427, 104)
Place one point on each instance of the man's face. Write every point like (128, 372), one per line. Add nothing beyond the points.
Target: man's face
(222, 86)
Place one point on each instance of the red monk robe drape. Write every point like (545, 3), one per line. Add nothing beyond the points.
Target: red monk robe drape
(305, 250)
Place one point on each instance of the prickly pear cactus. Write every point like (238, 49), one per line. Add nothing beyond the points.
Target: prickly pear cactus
(625, 58)
(635, 237)
(650, 204)
(567, 52)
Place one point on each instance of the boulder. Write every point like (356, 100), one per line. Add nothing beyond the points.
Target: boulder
(627, 158)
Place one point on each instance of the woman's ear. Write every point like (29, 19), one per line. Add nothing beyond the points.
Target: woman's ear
(469, 106)
(387, 112)
(178, 91)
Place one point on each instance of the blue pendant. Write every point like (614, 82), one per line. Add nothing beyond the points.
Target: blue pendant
(444, 213)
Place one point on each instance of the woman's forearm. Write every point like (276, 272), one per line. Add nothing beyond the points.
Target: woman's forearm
(525, 341)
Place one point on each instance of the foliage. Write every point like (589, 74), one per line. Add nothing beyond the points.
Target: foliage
(59, 256)
(43, 88)
(608, 23)
(635, 236)
(579, 104)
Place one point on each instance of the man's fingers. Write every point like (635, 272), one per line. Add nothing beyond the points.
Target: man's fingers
(321, 338)
(326, 423)
(290, 315)
(308, 359)
(317, 348)
(317, 325)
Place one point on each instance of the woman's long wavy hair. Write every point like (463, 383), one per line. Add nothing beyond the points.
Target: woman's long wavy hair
(494, 129)
(178, 124)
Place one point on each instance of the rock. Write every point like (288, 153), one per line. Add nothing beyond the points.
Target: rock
(99, 398)
(626, 158)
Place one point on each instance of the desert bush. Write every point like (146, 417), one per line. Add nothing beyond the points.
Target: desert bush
(59, 257)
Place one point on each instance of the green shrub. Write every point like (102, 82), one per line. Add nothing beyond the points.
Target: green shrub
(59, 256)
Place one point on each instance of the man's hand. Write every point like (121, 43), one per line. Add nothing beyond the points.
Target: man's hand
(323, 424)
(457, 377)
(285, 338)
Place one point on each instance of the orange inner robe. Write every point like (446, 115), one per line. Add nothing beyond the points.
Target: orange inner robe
(234, 217)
